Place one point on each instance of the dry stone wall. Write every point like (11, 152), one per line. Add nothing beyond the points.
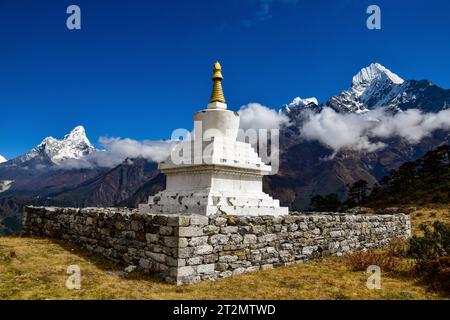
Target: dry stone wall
(185, 249)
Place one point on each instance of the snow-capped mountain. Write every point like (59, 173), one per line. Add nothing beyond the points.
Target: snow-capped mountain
(373, 86)
(299, 108)
(2, 159)
(376, 86)
(299, 102)
(52, 151)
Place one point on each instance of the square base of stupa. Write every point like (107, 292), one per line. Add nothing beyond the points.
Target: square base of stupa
(211, 190)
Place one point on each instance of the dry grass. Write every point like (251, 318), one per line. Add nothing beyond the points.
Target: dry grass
(428, 216)
(360, 261)
(36, 269)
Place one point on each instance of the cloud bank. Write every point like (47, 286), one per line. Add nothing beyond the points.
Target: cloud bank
(116, 150)
(366, 132)
(257, 116)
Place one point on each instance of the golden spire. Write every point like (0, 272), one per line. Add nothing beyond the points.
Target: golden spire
(217, 92)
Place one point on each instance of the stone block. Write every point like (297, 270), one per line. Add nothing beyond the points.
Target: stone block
(144, 263)
(250, 238)
(210, 230)
(226, 274)
(218, 239)
(183, 242)
(172, 262)
(252, 269)
(238, 271)
(194, 261)
(171, 242)
(160, 220)
(228, 229)
(198, 220)
(219, 221)
(205, 268)
(267, 237)
(228, 258)
(185, 252)
(210, 258)
(166, 231)
(203, 249)
(185, 271)
(158, 257)
(236, 238)
(258, 229)
(307, 250)
(178, 221)
(335, 234)
(189, 231)
(221, 266)
(197, 241)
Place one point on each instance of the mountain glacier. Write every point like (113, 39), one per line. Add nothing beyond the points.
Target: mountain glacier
(2, 159)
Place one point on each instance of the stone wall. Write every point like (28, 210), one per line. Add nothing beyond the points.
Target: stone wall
(184, 249)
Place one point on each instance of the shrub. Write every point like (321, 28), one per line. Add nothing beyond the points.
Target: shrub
(360, 261)
(437, 199)
(398, 248)
(437, 273)
(433, 244)
(432, 252)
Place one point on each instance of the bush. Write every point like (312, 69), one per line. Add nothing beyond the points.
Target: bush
(432, 252)
(437, 272)
(433, 244)
(360, 261)
(398, 248)
(437, 199)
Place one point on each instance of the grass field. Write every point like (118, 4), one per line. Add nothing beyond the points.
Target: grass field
(36, 269)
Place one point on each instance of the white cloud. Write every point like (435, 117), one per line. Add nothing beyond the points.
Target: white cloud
(365, 132)
(413, 125)
(257, 116)
(116, 150)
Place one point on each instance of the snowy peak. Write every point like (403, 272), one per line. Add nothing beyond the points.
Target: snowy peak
(375, 72)
(2, 159)
(298, 103)
(74, 146)
(300, 109)
(53, 151)
(77, 134)
(372, 87)
(375, 86)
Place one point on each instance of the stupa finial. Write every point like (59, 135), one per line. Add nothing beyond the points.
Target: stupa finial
(217, 92)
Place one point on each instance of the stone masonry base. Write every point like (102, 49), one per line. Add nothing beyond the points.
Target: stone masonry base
(185, 249)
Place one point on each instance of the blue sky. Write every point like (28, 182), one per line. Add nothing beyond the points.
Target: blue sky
(139, 69)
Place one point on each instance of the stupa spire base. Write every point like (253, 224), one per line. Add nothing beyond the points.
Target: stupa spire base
(217, 105)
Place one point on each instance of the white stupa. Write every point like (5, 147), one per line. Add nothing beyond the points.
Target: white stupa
(213, 172)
